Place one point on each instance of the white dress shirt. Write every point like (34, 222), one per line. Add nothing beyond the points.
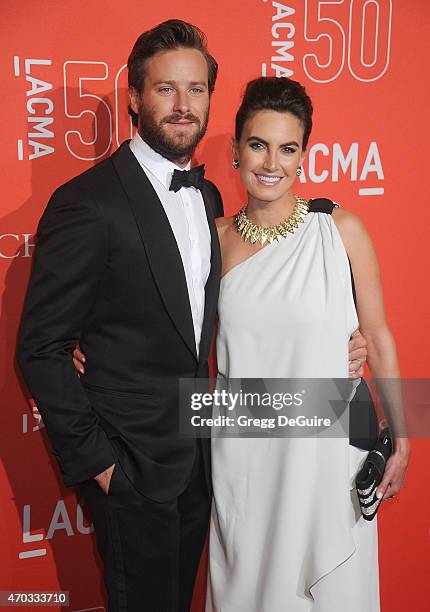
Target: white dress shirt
(186, 213)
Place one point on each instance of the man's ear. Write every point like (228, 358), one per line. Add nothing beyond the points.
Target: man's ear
(134, 99)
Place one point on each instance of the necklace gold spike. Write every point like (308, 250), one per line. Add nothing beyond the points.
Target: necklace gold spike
(257, 233)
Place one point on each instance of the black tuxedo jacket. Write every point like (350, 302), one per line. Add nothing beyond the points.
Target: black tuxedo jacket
(108, 274)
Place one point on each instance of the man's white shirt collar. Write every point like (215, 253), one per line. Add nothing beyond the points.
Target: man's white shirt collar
(155, 163)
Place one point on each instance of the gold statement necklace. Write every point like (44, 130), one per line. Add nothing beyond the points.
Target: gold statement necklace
(257, 233)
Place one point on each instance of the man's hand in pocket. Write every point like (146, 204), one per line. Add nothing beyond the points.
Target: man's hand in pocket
(103, 479)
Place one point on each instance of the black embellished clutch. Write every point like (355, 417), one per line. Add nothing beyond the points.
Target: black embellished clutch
(370, 476)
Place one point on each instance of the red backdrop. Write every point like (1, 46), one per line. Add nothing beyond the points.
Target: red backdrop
(64, 101)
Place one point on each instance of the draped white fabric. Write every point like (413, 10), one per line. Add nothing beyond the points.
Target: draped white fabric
(286, 530)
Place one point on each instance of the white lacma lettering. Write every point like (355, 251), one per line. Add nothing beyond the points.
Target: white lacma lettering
(39, 106)
(60, 521)
(283, 31)
(345, 162)
(32, 102)
(339, 160)
(372, 163)
(322, 176)
(40, 127)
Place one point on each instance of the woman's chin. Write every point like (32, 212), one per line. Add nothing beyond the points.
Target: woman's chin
(266, 194)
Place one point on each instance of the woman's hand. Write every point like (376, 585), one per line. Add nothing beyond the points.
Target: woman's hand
(79, 360)
(357, 348)
(395, 470)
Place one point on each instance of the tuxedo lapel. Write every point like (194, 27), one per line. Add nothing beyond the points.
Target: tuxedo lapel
(213, 282)
(159, 242)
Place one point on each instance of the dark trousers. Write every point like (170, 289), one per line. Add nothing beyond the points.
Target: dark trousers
(150, 550)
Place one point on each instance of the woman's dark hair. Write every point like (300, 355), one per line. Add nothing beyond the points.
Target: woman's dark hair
(278, 94)
(168, 35)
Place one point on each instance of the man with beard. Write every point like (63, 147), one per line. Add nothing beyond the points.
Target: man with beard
(128, 265)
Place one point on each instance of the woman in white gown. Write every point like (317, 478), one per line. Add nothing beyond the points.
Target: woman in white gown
(286, 530)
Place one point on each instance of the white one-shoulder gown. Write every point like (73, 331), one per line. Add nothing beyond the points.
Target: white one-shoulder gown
(286, 530)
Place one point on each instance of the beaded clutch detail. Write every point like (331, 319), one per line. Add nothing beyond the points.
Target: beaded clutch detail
(370, 476)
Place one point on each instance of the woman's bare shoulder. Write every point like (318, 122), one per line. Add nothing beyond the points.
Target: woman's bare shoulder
(351, 229)
(348, 224)
(346, 219)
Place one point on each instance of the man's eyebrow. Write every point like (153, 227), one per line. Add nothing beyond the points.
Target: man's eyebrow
(191, 83)
(285, 144)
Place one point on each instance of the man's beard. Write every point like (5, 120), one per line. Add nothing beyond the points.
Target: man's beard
(179, 149)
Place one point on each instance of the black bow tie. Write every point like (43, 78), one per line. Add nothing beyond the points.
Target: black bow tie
(188, 178)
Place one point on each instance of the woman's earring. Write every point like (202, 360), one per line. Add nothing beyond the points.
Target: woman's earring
(235, 164)
(299, 171)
